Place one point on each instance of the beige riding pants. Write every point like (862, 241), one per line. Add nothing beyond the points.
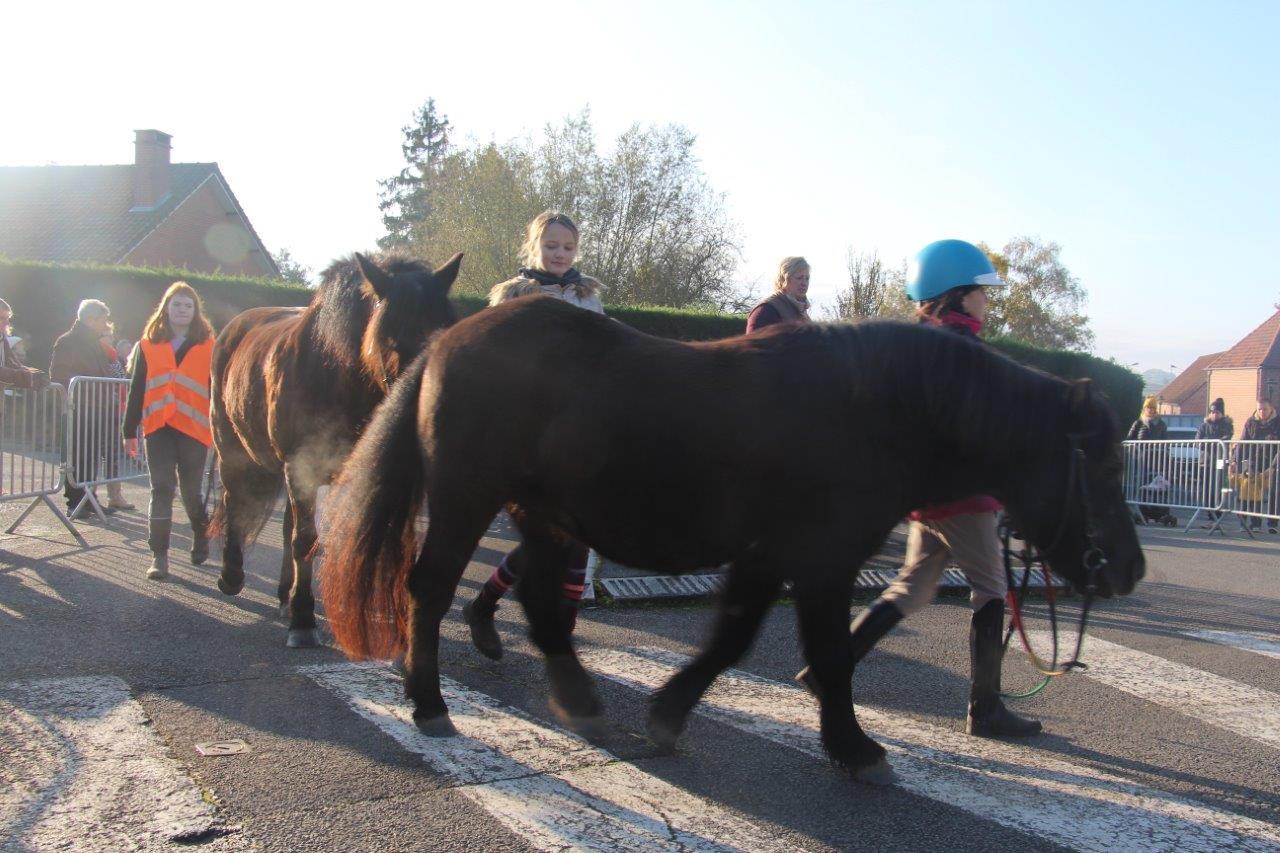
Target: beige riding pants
(974, 544)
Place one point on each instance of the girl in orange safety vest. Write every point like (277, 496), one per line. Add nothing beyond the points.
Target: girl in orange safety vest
(169, 398)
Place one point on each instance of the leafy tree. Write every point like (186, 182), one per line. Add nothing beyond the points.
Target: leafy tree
(290, 269)
(1044, 303)
(405, 199)
(874, 290)
(653, 230)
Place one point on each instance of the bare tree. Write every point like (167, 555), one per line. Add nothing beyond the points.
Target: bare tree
(874, 290)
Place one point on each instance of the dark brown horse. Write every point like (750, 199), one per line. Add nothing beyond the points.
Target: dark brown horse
(790, 454)
(292, 388)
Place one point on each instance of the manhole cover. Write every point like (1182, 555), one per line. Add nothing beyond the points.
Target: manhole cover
(223, 747)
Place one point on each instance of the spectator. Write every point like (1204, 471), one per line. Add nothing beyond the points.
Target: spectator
(1215, 427)
(790, 300)
(1250, 461)
(113, 405)
(12, 371)
(78, 353)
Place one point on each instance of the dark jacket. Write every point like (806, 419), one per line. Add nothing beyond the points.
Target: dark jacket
(776, 309)
(78, 352)
(13, 371)
(1220, 430)
(138, 387)
(1263, 456)
(1157, 430)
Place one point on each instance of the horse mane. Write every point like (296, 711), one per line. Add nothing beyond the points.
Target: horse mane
(932, 373)
(341, 308)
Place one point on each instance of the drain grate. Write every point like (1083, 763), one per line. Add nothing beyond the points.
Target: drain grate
(699, 586)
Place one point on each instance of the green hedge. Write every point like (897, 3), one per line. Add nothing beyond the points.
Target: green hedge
(1121, 387)
(44, 297)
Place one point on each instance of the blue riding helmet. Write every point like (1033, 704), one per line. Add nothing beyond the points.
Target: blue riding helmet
(946, 264)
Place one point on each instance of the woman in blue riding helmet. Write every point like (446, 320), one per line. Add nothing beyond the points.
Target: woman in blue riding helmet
(949, 281)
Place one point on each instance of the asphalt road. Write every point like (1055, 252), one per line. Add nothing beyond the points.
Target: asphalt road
(108, 681)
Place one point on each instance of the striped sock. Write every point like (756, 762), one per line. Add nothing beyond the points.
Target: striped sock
(498, 583)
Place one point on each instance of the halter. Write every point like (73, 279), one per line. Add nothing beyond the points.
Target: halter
(1094, 560)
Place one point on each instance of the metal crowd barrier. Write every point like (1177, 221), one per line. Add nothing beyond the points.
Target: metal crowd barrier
(1217, 479)
(1253, 487)
(1160, 476)
(95, 452)
(31, 459)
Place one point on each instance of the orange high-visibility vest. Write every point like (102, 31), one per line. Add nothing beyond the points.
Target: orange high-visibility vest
(178, 394)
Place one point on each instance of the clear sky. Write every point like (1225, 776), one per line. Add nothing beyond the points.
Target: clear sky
(1141, 136)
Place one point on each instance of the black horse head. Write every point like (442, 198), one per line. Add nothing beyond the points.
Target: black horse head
(1086, 531)
(410, 302)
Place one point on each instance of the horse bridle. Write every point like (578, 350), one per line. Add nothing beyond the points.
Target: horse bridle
(1094, 560)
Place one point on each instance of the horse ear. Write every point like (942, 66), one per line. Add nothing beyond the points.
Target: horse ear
(447, 274)
(381, 283)
(1080, 398)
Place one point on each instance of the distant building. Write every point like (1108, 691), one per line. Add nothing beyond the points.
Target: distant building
(1247, 370)
(150, 213)
(1188, 393)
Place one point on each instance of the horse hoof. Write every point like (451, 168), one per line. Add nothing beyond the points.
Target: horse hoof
(303, 638)
(880, 773)
(588, 726)
(284, 611)
(438, 726)
(230, 587)
(664, 735)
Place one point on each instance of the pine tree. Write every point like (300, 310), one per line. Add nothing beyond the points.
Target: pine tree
(406, 199)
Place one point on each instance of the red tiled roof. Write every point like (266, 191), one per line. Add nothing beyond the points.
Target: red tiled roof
(82, 213)
(85, 213)
(1188, 381)
(1259, 348)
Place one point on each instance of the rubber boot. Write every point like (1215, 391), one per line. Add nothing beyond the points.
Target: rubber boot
(199, 544)
(871, 624)
(478, 614)
(116, 498)
(159, 569)
(158, 541)
(988, 717)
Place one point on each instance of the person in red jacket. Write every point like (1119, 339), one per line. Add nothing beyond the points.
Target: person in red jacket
(169, 398)
(949, 283)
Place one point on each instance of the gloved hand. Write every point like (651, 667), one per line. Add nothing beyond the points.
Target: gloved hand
(38, 380)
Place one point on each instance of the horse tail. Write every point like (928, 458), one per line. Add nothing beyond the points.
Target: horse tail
(371, 542)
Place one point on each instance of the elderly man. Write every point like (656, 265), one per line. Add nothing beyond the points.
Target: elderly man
(79, 352)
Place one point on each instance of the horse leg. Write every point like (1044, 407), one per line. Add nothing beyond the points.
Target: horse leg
(822, 603)
(286, 562)
(546, 559)
(452, 536)
(751, 589)
(302, 604)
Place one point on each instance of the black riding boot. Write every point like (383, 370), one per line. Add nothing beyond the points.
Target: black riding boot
(478, 614)
(871, 624)
(988, 717)
(158, 542)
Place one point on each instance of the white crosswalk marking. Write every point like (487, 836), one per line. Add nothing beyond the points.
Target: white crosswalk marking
(1017, 786)
(83, 770)
(1221, 702)
(552, 788)
(1249, 641)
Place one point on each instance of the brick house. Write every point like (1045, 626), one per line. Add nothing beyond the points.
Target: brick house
(1249, 369)
(1188, 393)
(150, 213)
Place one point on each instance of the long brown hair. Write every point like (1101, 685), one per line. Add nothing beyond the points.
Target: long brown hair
(931, 310)
(158, 329)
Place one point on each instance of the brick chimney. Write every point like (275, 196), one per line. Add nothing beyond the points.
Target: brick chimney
(150, 168)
